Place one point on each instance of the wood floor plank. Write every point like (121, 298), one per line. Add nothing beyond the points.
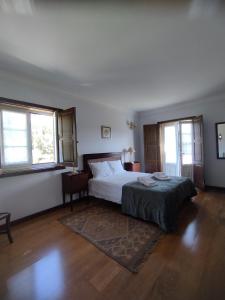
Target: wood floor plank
(49, 261)
(104, 276)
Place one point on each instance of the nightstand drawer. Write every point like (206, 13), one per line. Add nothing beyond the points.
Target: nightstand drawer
(74, 183)
(78, 183)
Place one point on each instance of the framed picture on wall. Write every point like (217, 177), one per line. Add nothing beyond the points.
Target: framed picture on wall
(105, 132)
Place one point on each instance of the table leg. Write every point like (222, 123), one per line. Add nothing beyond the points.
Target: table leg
(64, 198)
(71, 201)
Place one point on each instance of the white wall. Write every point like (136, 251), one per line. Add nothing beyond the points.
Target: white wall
(27, 194)
(221, 130)
(213, 110)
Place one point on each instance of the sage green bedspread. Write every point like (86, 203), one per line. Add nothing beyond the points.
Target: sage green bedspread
(159, 204)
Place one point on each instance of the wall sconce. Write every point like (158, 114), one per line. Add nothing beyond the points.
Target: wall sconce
(220, 137)
(131, 124)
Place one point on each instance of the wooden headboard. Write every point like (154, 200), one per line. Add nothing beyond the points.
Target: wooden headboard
(99, 157)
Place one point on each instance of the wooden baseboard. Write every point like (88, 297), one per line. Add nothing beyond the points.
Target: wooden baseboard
(38, 214)
(43, 212)
(214, 188)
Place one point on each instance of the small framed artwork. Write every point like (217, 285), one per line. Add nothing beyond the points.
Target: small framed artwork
(105, 132)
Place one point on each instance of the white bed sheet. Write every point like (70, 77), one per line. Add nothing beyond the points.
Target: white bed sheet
(110, 187)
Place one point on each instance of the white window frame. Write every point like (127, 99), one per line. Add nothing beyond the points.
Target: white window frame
(28, 112)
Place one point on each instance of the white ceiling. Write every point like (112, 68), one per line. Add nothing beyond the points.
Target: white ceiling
(140, 57)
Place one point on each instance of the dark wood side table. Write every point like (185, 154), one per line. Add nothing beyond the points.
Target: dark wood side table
(132, 166)
(73, 183)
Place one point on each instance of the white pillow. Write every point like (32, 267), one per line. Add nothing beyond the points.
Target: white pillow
(116, 166)
(100, 169)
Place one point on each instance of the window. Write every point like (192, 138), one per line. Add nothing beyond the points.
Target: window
(43, 138)
(170, 144)
(177, 147)
(31, 136)
(27, 138)
(186, 143)
(15, 137)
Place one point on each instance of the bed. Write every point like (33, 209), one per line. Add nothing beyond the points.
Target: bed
(159, 204)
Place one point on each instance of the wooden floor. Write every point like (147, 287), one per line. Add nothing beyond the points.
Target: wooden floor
(48, 261)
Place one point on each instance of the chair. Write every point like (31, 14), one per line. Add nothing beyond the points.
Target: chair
(5, 228)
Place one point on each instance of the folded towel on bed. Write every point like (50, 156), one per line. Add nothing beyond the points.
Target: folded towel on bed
(146, 180)
(160, 176)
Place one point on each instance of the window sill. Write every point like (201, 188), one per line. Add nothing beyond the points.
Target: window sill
(33, 170)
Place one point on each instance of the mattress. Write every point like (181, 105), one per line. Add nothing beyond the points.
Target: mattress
(110, 187)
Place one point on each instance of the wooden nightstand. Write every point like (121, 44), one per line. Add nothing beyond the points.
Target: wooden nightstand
(132, 166)
(74, 183)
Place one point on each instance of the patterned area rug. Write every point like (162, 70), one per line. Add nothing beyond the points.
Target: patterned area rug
(125, 239)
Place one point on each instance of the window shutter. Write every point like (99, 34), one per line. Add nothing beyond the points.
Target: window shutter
(67, 137)
(152, 148)
(198, 154)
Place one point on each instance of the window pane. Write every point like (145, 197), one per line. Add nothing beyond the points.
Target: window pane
(42, 130)
(187, 128)
(187, 148)
(15, 155)
(186, 138)
(186, 131)
(187, 159)
(15, 137)
(15, 143)
(14, 120)
(170, 144)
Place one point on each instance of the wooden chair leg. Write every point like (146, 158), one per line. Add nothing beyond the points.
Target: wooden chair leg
(8, 229)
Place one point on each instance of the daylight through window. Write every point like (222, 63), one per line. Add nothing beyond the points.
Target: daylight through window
(27, 138)
(43, 138)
